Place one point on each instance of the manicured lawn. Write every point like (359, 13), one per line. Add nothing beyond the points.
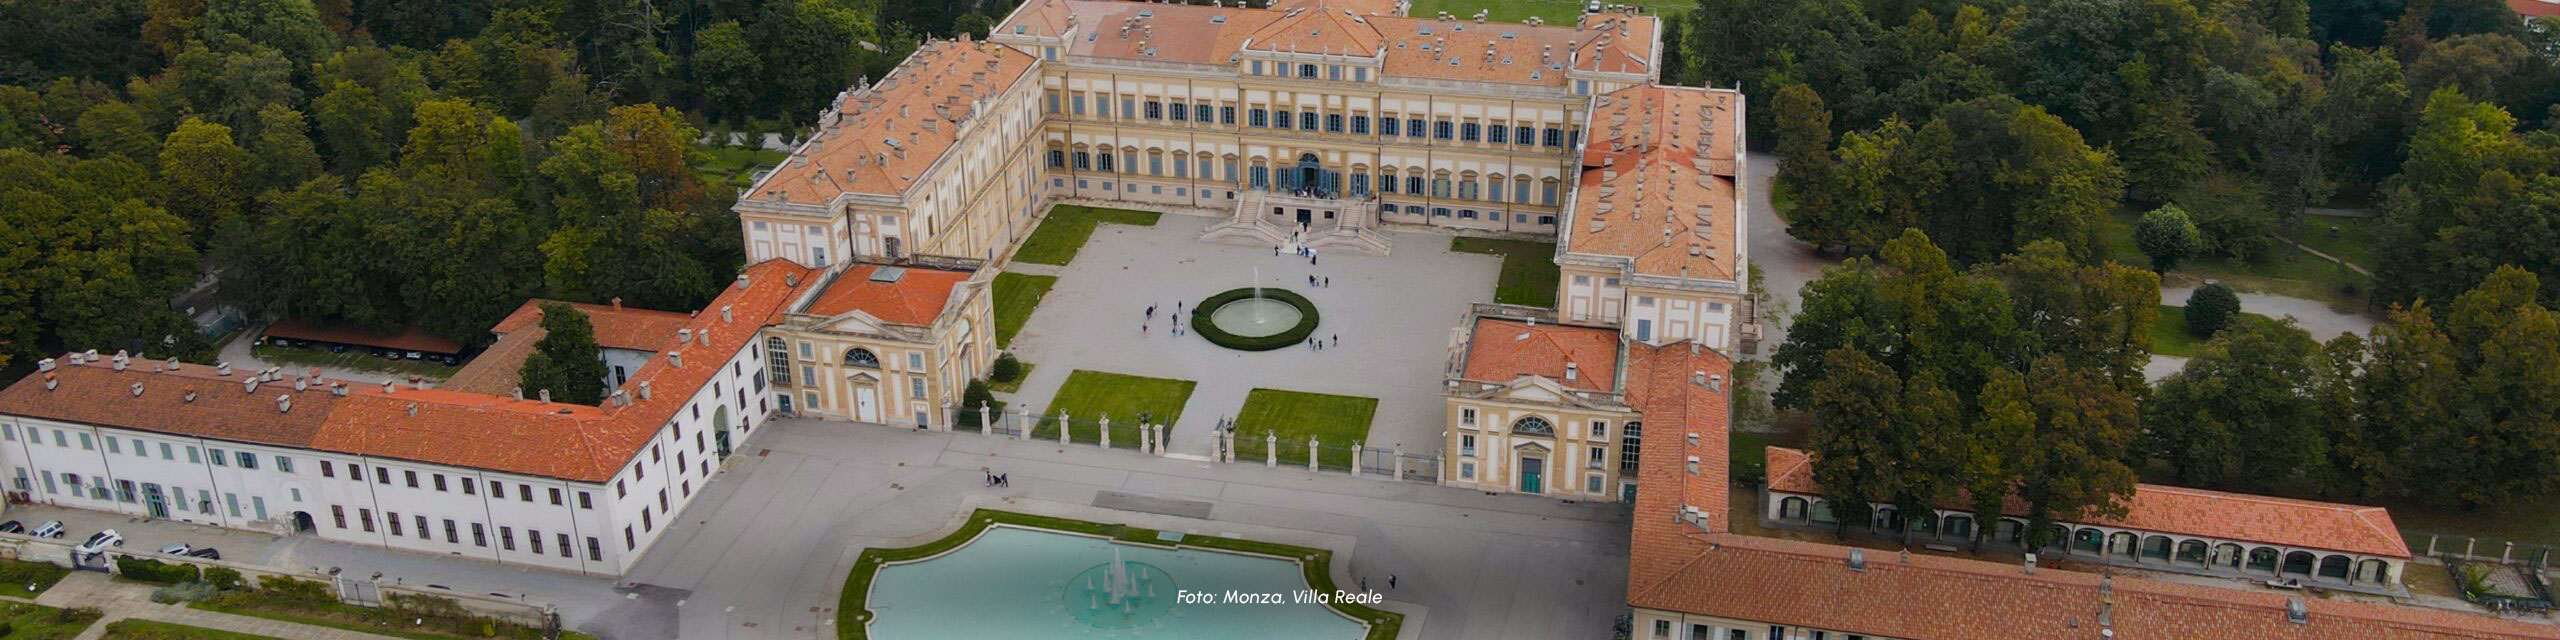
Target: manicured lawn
(1088, 396)
(1016, 296)
(2169, 336)
(140, 629)
(853, 614)
(1528, 269)
(1063, 233)
(29, 579)
(1557, 12)
(366, 619)
(1335, 421)
(34, 622)
(2527, 522)
(354, 358)
(735, 166)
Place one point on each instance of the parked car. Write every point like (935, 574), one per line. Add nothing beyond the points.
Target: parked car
(50, 529)
(451, 361)
(177, 549)
(373, 351)
(413, 355)
(12, 527)
(337, 348)
(208, 553)
(99, 542)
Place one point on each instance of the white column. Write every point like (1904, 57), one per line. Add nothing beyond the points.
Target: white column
(1399, 462)
(1106, 431)
(1063, 425)
(1022, 424)
(1311, 453)
(1159, 429)
(986, 420)
(1355, 459)
(1270, 449)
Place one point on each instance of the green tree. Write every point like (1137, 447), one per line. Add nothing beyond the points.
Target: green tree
(2512, 432)
(725, 67)
(2165, 152)
(1856, 406)
(2409, 394)
(281, 153)
(79, 243)
(2028, 176)
(2093, 316)
(566, 361)
(2167, 237)
(2231, 214)
(2240, 415)
(357, 127)
(1998, 448)
(2210, 309)
(114, 128)
(2074, 467)
(209, 178)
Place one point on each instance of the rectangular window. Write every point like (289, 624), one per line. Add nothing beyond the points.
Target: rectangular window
(1128, 108)
(1203, 113)
(113, 445)
(915, 387)
(86, 444)
(1466, 445)
(470, 487)
(1307, 120)
(338, 515)
(1497, 134)
(533, 539)
(524, 492)
(213, 454)
(564, 546)
(585, 500)
(248, 460)
(595, 551)
(1599, 430)
(1469, 132)
(413, 478)
(497, 490)
(1226, 115)
(1360, 125)
(1155, 110)
(366, 515)
(1333, 123)
(506, 537)
(258, 506)
(284, 464)
(232, 500)
(555, 496)
(423, 532)
(452, 534)
(1555, 137)
(629, 541)
(1387, 126)
(479, 535)
(1440, 129)
(1520, 135)
(439, 482)
(381, 475)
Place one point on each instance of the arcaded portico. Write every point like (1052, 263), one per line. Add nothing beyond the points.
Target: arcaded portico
(2335, 546)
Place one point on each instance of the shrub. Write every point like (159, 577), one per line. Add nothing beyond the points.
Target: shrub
(223, 578)
(1202, 321)
(293, 590)
(1006, 369)
(16, 574)
(2210, 309)
(184, 592)
(156, 571)
(970, 399)
(76, 614)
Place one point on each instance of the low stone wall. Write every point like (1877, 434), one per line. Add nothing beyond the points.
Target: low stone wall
(58, 552)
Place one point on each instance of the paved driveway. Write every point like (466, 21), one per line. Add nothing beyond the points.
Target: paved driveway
(765, 549)
(1393, 314)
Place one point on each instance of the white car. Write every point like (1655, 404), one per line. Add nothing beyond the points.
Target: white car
(178, 549)
(99, 542)
(50, 529)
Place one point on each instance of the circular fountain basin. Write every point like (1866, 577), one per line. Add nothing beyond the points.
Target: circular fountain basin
(1256, 317)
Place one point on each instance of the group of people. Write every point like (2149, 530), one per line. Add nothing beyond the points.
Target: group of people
(997, 479)
(1303, 251)
(1174, 318)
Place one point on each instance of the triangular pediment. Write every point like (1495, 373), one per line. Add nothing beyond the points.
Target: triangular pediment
(855, 322)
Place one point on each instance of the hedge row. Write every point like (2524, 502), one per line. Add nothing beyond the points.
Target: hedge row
(1202, 323)
(146, 570)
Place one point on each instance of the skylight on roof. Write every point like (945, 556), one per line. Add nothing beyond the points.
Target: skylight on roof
(1425, 30)
(1217, 19)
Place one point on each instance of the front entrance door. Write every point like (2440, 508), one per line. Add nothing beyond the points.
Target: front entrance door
(152, 500)
(1531, 470)
(720, 431)
(1304, 217)
(866, 404)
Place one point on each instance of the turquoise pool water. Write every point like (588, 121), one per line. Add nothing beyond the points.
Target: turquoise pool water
(1024, 583)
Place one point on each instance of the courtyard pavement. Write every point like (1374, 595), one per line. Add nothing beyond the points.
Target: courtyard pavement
(1394, 315)
(765, 549)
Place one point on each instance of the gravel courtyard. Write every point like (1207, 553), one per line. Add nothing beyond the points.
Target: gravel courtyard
(1393, 315)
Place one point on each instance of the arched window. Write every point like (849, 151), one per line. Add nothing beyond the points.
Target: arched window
(1793, 508)
(2191, 551)
(2298, 562)
(1959, 527)
(2228, 555)
(1534, 426)
(2262, 559)
(860, 357)
(2122, 543)
(2087, 540)
(2334, 567)
(2373, 571)
(2156, 548)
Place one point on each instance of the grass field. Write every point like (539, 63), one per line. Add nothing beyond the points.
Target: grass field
(1557, 12)
(1335, 421)
(1016, 296)
(140, 629)
(29, 579)
(2169, 335)
(734, 166)
(1088, 396)
(1010, 386)
(1528, 269)
(2350, 239)
(1063, 233)
(26, 621)
(2285, 271)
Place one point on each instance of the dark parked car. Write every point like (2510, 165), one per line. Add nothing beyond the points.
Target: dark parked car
(208, 553)
(337, 348)
(373, 351)
(12, 527)
(451, 361)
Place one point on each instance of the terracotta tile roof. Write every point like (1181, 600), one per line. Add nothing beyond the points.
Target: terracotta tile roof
(880, 139)
(499, 368)
(2196, 512)
(1658, 182)
(1501, 350)
(1169, 32)
(1317, 29)
(1929, 597)
(222, 408)
(2535, 8)
(1661, 385)
(616, 326)
(1614, 42)
(409, 339)
(917, 297)
(584, 444)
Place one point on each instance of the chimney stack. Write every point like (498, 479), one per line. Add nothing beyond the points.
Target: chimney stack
(724, 314)
(338, 389)
(675, 359)
(388, 387)
(50, 383)
(284, 403)
(249, 385)
(519, 394)
(137, 389)
(44, 365)
(644, 389)
(173, 363)
(301, 383)
(1857, 560)
(546, 396)
(189, 397)
(617, 302)
(222, 369)
(416, 382)
(684, 336)
(413, 409)
(120, 361)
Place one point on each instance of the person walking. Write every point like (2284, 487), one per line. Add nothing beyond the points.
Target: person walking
(1337, 339)
(1391, 578)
